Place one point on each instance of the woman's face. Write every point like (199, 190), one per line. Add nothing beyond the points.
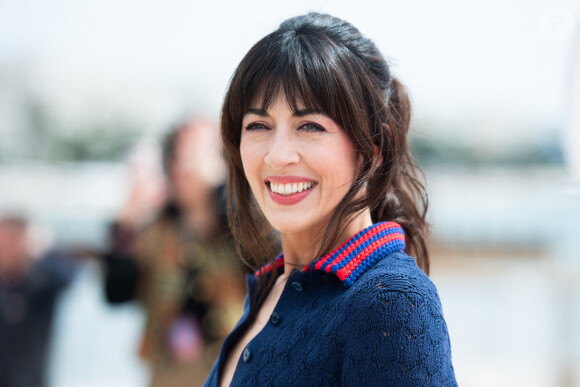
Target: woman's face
(299, 165)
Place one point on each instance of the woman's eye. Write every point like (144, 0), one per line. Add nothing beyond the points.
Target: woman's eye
(312, 127)
(256, 126)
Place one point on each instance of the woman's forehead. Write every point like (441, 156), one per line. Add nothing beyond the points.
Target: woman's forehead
(266, 101)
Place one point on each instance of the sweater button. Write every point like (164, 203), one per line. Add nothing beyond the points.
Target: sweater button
(297, 286)
(246, 355)
(275, 319)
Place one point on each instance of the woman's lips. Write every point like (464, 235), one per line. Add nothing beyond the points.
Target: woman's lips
(288, 190)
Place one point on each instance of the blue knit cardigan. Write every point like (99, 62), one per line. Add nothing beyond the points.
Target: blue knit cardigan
(363, 315)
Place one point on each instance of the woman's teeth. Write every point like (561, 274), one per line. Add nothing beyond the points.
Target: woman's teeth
(290, 188)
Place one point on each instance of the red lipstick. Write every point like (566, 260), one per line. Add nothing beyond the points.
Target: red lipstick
(291, 198)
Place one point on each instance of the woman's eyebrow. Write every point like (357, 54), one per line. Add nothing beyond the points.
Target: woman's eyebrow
(298, 113)
(258, 111)
(305, 112)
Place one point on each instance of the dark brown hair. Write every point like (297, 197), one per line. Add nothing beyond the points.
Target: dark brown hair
(325, 64)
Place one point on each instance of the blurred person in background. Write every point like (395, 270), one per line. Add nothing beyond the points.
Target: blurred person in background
(173, 252)
(30, 282)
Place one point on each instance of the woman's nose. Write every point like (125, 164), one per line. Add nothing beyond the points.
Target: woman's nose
(282, 151)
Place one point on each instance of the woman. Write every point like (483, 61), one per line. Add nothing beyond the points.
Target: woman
(314, 128)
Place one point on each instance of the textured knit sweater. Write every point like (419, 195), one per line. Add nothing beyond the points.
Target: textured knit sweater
(363, 315)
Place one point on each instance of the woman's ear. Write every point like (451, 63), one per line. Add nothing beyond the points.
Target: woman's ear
(378, 160)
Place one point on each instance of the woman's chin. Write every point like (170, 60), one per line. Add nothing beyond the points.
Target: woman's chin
(295, 224)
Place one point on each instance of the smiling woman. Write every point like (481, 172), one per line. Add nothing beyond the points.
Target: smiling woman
(299, 167)
(315, 134)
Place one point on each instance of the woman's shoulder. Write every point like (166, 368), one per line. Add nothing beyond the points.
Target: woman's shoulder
(396, 323)
(395, 283)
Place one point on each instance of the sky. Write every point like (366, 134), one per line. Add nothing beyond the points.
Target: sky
(481, 70)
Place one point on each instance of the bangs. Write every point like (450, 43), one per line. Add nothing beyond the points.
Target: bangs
(302, 67)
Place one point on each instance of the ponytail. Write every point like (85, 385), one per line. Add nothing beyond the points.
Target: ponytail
(405, 198)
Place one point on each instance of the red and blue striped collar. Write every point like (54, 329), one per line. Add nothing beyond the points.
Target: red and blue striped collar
(356, 255)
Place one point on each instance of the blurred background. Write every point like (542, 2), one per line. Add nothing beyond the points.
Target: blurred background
(87, 85)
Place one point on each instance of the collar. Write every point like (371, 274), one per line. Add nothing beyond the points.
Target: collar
(355, 256)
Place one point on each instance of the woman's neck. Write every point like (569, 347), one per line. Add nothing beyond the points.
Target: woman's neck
(300, 249)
